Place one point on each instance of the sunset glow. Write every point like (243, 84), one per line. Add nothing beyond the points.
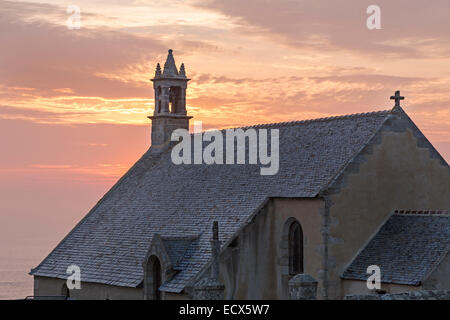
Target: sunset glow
(74, 103)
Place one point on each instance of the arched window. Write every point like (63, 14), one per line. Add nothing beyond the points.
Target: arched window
(156, 279)
(65, 291)
(295, 248)
(174, 95)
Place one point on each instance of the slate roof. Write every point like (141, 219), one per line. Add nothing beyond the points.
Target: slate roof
(407, 248)
(176, 249)
(156, 196)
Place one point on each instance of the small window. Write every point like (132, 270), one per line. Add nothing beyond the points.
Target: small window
(295, 249)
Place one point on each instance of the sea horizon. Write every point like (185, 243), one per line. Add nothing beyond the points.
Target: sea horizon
(17, 256)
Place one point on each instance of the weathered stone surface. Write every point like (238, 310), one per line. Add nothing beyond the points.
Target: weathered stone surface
(303, 287)
(208, 289)
(414, 295)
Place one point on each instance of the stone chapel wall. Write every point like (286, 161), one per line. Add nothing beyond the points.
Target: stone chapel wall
(255, 266)
(44, 286)
(391, 173)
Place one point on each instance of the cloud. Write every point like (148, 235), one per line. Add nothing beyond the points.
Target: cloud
(285, 98)
(409, 28)
(47, 56)
(38, 115)
(92, 61)
(99, 74)
(52, 166)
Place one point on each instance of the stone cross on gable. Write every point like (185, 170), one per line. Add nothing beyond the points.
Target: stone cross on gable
(397, 97)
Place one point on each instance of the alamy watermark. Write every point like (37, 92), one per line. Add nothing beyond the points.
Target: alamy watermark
(227, 140)
(374, 20)
(74, 280)
(374, 280)
(74, 20)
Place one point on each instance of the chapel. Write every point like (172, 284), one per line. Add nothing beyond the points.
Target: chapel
(352, 191)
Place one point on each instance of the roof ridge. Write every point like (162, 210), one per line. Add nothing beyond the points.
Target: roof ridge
(305, 121)
(421, 212)
(322, 119)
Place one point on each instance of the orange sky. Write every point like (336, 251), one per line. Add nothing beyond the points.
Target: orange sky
(74, 103)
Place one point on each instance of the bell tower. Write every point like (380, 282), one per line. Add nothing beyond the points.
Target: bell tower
(170, 102)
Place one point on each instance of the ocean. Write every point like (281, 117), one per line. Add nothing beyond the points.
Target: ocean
(16, 259)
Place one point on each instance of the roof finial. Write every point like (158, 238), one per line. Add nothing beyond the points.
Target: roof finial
(182, 71)
(170, 68)
(158, 70)
(397, 97)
